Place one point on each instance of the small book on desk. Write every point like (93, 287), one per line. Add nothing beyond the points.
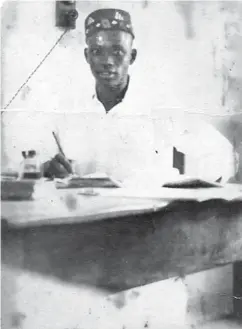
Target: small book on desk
(88, 181)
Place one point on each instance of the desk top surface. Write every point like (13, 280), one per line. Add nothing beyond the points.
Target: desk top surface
(72, 209)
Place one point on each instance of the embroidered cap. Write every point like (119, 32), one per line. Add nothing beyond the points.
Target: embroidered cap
(108, 19)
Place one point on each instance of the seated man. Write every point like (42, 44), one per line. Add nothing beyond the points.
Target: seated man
(119, 132)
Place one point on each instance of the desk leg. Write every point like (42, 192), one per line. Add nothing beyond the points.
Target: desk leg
(238, 289)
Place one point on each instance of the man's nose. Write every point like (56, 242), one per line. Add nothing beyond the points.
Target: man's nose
(108, 61)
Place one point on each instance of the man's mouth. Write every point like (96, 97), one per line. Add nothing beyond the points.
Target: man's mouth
(106, 74)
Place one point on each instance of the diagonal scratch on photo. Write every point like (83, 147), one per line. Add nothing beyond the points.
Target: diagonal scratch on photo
(121, 164)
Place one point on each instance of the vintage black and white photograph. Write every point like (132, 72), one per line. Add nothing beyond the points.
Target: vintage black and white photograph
(121, 164)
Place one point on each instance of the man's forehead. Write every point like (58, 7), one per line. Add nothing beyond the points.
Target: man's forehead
(109, 38)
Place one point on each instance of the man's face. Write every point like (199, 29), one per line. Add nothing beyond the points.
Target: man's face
(109, 54)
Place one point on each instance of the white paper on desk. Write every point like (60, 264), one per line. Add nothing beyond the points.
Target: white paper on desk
(135, 178)
(228, 192)
(149, 188)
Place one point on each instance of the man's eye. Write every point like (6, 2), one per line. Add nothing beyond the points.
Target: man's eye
(118, 52)
(95, 52)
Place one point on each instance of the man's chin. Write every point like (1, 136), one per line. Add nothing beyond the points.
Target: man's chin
(108, 82)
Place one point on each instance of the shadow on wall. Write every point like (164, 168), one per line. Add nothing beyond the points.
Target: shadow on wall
(185, 9)
(8, 16)
(8, 21)
(238, 176)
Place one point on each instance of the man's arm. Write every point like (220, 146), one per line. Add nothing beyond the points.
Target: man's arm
(208, 154)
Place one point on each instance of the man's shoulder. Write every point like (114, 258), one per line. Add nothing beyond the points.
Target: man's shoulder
(205, 133)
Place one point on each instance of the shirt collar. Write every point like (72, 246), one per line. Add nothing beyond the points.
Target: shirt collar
(134, 102)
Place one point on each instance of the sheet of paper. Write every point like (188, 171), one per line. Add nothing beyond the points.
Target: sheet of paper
(228, 192)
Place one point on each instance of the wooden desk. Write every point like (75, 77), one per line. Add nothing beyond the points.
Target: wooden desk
(119, 250)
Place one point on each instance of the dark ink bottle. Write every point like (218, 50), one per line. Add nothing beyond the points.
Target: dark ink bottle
(30, 167)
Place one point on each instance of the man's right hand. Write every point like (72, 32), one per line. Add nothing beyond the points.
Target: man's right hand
(58, 167)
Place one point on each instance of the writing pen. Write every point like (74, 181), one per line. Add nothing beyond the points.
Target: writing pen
(57, 140)
(61, 158)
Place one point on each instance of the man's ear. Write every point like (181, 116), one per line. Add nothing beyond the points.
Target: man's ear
(133, 56)
(86, 55)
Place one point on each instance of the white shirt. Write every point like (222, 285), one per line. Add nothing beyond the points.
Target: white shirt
(135, 139)
(122, 143)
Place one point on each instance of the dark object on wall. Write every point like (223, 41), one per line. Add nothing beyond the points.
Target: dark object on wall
(66, 14)
(178, 161)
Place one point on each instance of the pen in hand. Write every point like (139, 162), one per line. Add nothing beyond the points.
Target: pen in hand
(61, 158)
